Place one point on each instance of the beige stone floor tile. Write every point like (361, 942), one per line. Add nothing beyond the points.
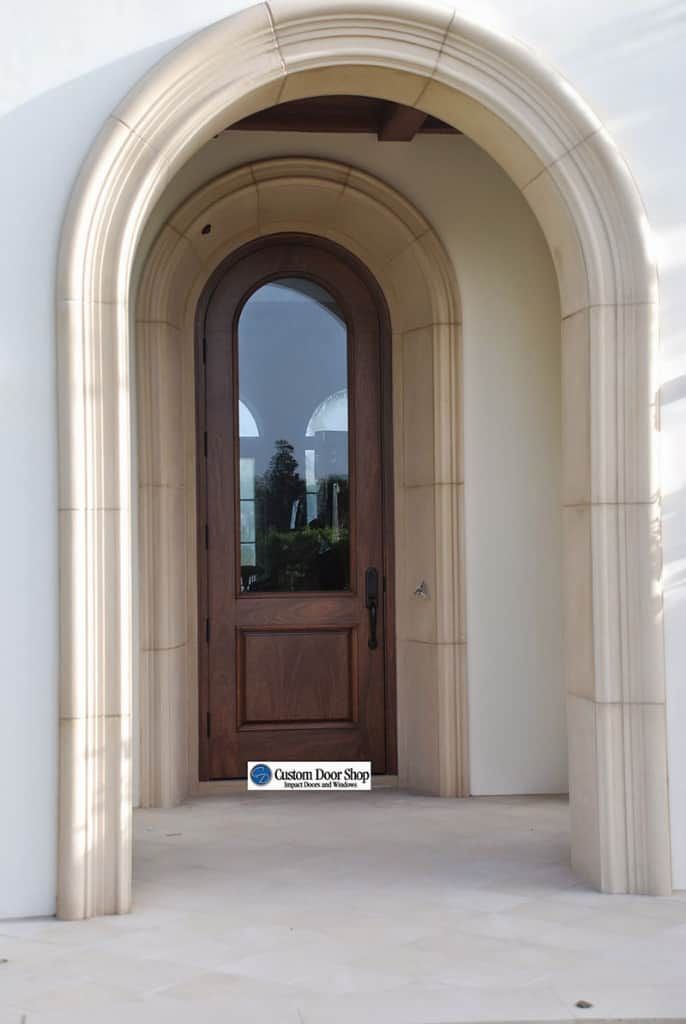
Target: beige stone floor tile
(627, 1002)
(318, 972)
(237, 994)
(84, 977)
(419, 1004)
(162, 1010)
(383, 907)
(573, 943)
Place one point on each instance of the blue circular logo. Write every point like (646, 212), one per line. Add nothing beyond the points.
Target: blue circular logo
(261, 774)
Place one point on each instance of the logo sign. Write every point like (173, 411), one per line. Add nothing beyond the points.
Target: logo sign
(261, 775)
(314, 775)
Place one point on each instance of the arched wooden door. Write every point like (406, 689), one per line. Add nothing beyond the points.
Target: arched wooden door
(294, 511)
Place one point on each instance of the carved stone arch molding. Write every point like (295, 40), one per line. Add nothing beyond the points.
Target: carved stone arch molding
(559, 155)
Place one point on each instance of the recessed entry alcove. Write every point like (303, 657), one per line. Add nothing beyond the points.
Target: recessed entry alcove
(332, 208)
(129, 527)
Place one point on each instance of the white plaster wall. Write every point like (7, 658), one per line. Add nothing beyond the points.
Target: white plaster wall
(64, 67)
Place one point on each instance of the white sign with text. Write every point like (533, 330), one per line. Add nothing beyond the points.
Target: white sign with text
(317, 775)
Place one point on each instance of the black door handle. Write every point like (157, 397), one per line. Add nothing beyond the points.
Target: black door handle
(371, 600)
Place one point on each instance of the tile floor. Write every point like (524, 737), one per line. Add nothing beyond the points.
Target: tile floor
(352, 908)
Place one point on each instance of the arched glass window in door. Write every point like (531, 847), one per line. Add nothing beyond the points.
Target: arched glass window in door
(294, 475)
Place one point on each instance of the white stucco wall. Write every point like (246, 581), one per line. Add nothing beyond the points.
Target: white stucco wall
(65, 65)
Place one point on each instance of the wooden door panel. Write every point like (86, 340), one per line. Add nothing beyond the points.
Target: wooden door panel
(302, 609)
(303, 676)
(286, 671)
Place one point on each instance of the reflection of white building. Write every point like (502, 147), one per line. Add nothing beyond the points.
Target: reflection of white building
(247, 424)
(247, 431)
(493, 207)
(330, 416)
(328, 458)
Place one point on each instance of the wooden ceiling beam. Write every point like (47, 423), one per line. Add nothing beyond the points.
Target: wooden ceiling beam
(319, 114)
(400, 124)
(390, 122)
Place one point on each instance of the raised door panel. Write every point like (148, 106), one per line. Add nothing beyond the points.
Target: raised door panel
(302, 676)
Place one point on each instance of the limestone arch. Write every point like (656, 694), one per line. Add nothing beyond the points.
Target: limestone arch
(560, 156)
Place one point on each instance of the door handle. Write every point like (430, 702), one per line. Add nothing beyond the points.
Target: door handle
(371, 600)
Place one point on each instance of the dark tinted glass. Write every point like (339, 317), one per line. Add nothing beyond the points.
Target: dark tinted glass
(293, 427)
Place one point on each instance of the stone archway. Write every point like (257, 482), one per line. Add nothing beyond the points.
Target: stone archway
(401, 249)
(559, 155)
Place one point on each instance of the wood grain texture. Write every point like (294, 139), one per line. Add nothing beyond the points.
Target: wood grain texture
(306, 676)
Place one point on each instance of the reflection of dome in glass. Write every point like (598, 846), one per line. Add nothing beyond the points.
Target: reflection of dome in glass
(331, 414)
(247, 425)
(296, 290)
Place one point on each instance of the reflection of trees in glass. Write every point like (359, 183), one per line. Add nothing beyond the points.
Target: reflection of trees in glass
(311, 558)
(292, 553)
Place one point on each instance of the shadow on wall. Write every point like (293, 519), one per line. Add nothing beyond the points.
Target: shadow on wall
(45, 141)
(673, 391)
(628, 61)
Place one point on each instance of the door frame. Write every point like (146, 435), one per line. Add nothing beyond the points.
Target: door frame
(387, 487)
